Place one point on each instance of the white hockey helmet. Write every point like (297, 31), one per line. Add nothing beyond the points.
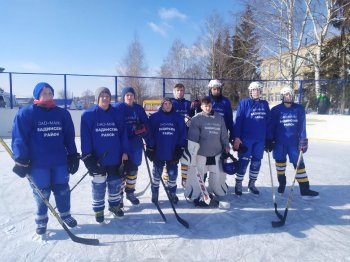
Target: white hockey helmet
(287, 90)
(255, 85)
(214, 83)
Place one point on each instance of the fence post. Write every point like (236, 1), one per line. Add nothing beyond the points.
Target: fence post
(11, 94)
(300, 91)
(163, 87)
(116, 89)
(65, 90)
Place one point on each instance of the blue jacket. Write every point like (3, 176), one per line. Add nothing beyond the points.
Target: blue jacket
(181, 106)
(134, 115)
(252, 119)
(288, 125)
(43, 136)
(168, 130)
(223, 106)
(104, 131)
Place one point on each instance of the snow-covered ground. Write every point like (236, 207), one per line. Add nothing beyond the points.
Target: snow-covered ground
(316, 230)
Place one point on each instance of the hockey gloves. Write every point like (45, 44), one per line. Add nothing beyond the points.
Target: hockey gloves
(92, 165)
(303, 145)
(179, 150)
(73, 163)
(21, 168)
(139, 130)
(269, 144)
(150, 153)
(241, 148)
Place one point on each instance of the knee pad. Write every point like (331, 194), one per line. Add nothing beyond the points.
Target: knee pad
(61, 189)
(255, 165)
(99, 179)
(242, 165)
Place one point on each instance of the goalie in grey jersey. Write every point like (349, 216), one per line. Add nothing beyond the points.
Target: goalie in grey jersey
(207, 140)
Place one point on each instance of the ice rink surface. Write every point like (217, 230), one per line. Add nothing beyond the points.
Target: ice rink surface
(317, 230)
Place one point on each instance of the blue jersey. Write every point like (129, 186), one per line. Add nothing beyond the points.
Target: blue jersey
(104, 131)
(134, 117)
(288, 125)
(181, 106)
(168, 130)
(252, 119)
(43, 136)
(223, 106)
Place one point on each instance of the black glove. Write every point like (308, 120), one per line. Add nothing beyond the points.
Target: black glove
(150, 153)
(92, 165)
(139, 129)
(73, 163)
(179, 150)
(269, 144)
(303, 145)
(21, 168)
(242, 148)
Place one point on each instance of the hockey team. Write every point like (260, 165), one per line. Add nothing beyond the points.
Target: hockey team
(195, 135)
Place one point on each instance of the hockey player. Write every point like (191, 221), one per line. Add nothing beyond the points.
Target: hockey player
(221, 104)
(207, 140)
(181, 106)
(168, 132)
(104, 145)
(252, 118)
(137, 126)
(287, 136)
(44, 148)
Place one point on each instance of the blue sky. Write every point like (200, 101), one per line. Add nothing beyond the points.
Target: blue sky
(92, 37)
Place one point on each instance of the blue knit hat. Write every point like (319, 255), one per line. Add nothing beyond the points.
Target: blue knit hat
(39, 87)
(126, 90)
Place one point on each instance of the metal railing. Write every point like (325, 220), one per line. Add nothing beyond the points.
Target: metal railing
(338, 91)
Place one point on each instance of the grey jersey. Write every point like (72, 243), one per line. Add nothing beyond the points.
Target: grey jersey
(210, 132)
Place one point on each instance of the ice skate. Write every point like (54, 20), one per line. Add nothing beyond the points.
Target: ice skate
(41, 229)
(252, 189)
(133, 199)
(310, 195)
(70, 221)
(116, 211)
(99, 216)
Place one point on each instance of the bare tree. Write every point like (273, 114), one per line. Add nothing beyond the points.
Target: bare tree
(281, 28)
(184, 62)
(134, 65)
(213, 27)
(88, 98)
(323, 14)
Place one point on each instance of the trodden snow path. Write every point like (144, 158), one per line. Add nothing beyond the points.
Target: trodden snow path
(316, 230)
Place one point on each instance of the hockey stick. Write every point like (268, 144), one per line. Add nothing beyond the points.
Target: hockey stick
(273, 190)
(290, 196)
(138, 194)
(204, 191)
(85, 241)
(181, 221)
(150, 179)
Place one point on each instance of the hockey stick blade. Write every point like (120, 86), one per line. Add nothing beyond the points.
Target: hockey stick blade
(179, 219)
(160, 211)
(81, 240)
(278, 214)
(278, 223)
(282, 221)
